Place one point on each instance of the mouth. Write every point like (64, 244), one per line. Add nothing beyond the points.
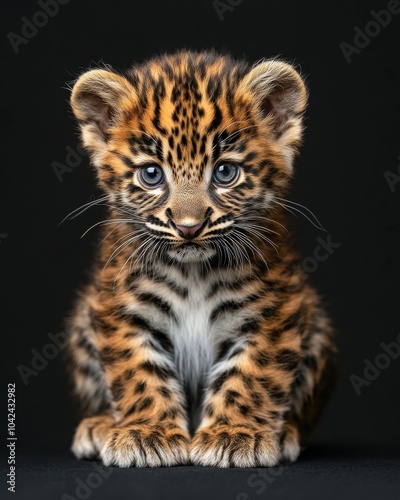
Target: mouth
(190, 251)
(189, 244)
(189, 248)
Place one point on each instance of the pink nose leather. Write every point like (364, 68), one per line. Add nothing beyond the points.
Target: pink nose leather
(188, 232)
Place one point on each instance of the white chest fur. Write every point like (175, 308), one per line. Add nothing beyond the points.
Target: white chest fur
(195, 337)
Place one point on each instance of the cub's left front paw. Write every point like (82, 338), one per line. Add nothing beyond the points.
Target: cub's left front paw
(146, 446)
(234, 446)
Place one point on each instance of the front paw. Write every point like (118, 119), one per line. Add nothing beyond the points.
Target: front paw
(146, 446)
(90, 436)
(234, 446)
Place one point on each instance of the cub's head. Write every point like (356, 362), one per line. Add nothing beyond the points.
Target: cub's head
(194, 148)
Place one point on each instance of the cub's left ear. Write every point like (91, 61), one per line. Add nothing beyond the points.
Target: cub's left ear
(280, 96)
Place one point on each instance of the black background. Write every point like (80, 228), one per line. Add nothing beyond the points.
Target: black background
(350, 142)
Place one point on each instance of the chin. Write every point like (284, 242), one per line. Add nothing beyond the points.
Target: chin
(191, 252)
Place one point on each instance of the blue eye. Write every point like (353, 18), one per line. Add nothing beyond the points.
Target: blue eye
(151, 176)
(225, 173)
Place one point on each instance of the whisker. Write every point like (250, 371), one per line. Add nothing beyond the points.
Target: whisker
(257, 226)
(288, 205)
(231, 125)
(256, 232)
(238, 132)
(256, 216)
(121, 247)
(84, 207)
(105, 222)
(249, 243)
(131, 256)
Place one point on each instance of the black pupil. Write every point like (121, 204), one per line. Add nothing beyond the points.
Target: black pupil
(225, 173)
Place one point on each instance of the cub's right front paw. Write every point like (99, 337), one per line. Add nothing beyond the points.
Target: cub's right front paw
(146, 446)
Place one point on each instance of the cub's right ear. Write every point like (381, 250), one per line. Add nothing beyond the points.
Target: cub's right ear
(98, 99)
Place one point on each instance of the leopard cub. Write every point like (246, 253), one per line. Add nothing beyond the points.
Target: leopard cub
(198, 339)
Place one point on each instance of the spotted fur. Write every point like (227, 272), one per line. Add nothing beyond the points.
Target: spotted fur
(198, 339)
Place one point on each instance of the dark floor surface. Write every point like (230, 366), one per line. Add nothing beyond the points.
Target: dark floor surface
(322, 472)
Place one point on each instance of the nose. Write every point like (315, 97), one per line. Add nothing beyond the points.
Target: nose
(188, 231)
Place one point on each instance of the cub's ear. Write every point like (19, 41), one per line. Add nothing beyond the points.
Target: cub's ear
(98, 99)
(280, 96)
